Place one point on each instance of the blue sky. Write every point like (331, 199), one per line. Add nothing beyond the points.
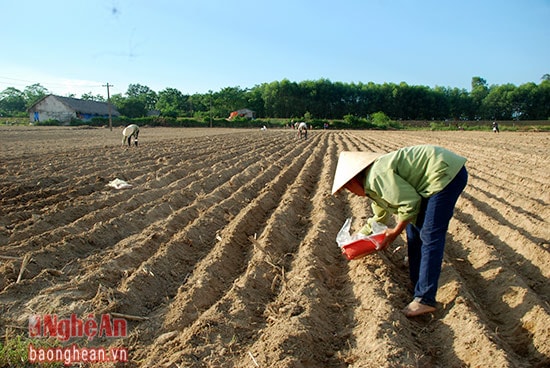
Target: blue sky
(71, 46)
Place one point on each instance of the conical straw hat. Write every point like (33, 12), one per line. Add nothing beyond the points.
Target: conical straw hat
(350, 164)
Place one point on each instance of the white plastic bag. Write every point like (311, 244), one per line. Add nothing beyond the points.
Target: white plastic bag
(344, 237)
(378, 228)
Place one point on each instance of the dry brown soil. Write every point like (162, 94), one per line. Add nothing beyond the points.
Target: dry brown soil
(225, 248)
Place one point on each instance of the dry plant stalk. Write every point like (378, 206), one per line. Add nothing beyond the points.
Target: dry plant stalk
(254, 360)
(280, 276)
(129, 316)
(9, 257)
(26, 260)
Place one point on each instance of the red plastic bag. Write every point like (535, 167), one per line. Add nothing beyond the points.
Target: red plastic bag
(359, 245)
(364, 246)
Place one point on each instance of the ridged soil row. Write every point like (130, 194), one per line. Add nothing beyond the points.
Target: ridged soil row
(179, 259)
(95, 168)
(381, 141)
(514, 235)
(353, 142)
(519, 205)
(230, 323)
(123, 259)
(68, 201)
(489, 268)
(193, 156)
(309, 317)
(521, 209)
(135, 166)
(502, 167)
(371, 143)
(524, 150)
(118, 203)
(196, 295)
(181, 205)
(504, 174)
(101, 229)
(516, 217)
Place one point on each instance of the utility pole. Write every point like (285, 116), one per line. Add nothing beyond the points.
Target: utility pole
(210, 108)
(109, 104)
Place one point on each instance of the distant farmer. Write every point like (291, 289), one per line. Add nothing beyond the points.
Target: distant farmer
(130, 131)
(420, 185)
(495, 127)
(302, 130)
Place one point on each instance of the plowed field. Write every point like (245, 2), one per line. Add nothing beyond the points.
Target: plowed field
(223, 252)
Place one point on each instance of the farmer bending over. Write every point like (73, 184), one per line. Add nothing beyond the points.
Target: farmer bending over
(302, 130)
(130, 131)
(419, 184)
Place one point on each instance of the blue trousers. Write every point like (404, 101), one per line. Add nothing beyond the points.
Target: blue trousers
(426, 239)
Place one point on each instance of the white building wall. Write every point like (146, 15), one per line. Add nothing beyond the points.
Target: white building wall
(51, 109)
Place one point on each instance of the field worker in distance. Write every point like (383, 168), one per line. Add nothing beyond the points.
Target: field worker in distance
(130, 131)
(302, 130)
(420, 185)
(495, 127)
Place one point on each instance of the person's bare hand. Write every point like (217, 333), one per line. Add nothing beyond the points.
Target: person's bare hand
(392, 234)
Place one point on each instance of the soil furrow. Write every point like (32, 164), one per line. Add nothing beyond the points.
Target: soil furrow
(265, 269)
(516, 312)
(311, 302)
(201, 233)
(515, 244)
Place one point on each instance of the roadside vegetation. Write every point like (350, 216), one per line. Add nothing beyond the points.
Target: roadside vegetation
(14, 352)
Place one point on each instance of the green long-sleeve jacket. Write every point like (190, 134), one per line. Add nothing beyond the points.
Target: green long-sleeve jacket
(397, 181)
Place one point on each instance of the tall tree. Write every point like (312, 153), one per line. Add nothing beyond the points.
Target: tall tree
(498, 103)
(171, 102)
(33, 93)
(541, 101)
(480, 90)
(12, 101)
(146, 95)
(522, 101)
(132, 108)
(230, 99)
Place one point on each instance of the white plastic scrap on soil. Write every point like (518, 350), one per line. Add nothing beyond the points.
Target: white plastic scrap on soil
(119, 184)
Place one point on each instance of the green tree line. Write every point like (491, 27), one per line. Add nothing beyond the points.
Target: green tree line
(322, 99)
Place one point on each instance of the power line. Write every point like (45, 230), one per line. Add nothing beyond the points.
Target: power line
(20, 82)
